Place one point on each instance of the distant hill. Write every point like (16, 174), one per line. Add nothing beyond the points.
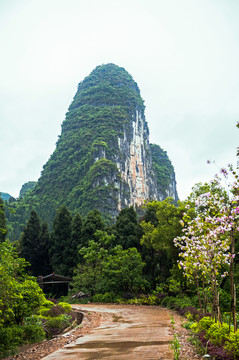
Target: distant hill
(5, 196)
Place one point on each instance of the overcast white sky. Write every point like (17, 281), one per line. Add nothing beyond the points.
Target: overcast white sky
(184, 55)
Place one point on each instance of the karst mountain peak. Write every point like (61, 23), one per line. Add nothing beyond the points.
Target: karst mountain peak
(103, 159)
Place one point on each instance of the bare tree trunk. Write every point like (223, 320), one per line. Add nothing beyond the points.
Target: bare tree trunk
(198, 294)
(204, 297)
(233, 289)
(214, 298)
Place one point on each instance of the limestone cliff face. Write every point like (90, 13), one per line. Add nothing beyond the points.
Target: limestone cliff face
(103, 159)
(134, 162)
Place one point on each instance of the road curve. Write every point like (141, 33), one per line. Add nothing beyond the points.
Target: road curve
(125, 332)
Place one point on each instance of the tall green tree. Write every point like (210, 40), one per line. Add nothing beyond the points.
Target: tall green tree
(61, 241)
(76, 232)
(91, 224)
(3, 227)
(127, 231)
(159, 251)
(71, 252)
(30, 241)
(44, 248)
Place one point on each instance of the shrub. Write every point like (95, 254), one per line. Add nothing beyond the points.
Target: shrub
(47, 304)
(160, 296)
(10, 338)
(14, 336)
(55, 325)
(218, 333)
(232, 344)
(204, 324)
(134, 301)
(190, 312)
(149, 300)
(176, 303)
(43, 312)
(127, 296)
(67, 307)
(108, 297)
(55, 311)
(33, 333)
(98, 298)
(215, 352)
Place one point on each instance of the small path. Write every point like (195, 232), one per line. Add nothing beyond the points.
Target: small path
(125, 332)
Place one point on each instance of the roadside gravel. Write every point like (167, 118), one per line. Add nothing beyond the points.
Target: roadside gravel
(188, 351)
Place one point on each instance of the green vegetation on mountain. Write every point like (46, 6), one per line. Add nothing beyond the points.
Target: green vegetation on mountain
(3, 227)
(82, 173)
(163, 168)
(27, 187)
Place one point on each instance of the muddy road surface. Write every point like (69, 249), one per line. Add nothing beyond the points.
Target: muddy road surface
(125, 332)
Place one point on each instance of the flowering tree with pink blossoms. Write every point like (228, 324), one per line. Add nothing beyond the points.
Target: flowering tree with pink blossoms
(207, 247)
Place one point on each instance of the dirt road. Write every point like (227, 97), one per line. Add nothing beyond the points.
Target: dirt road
(125, 332)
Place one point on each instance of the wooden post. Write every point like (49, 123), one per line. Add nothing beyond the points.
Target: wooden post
(40, 281)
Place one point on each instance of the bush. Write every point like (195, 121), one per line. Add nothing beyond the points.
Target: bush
(215, 352)
(47, 304)
(215, 337)
(10, 338)
(108, 297)
(98, 298)
(232, 344)
(55, 311)
(33, 333)
(28, 298)
(203, 325)
(218, 333)
(127, 295)
(160, 296)
(190, 312)
(14, 336)
(149, 300)
(176, 303)
(55, 325)
(43, 312)
(67, 307)
(134, 301)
